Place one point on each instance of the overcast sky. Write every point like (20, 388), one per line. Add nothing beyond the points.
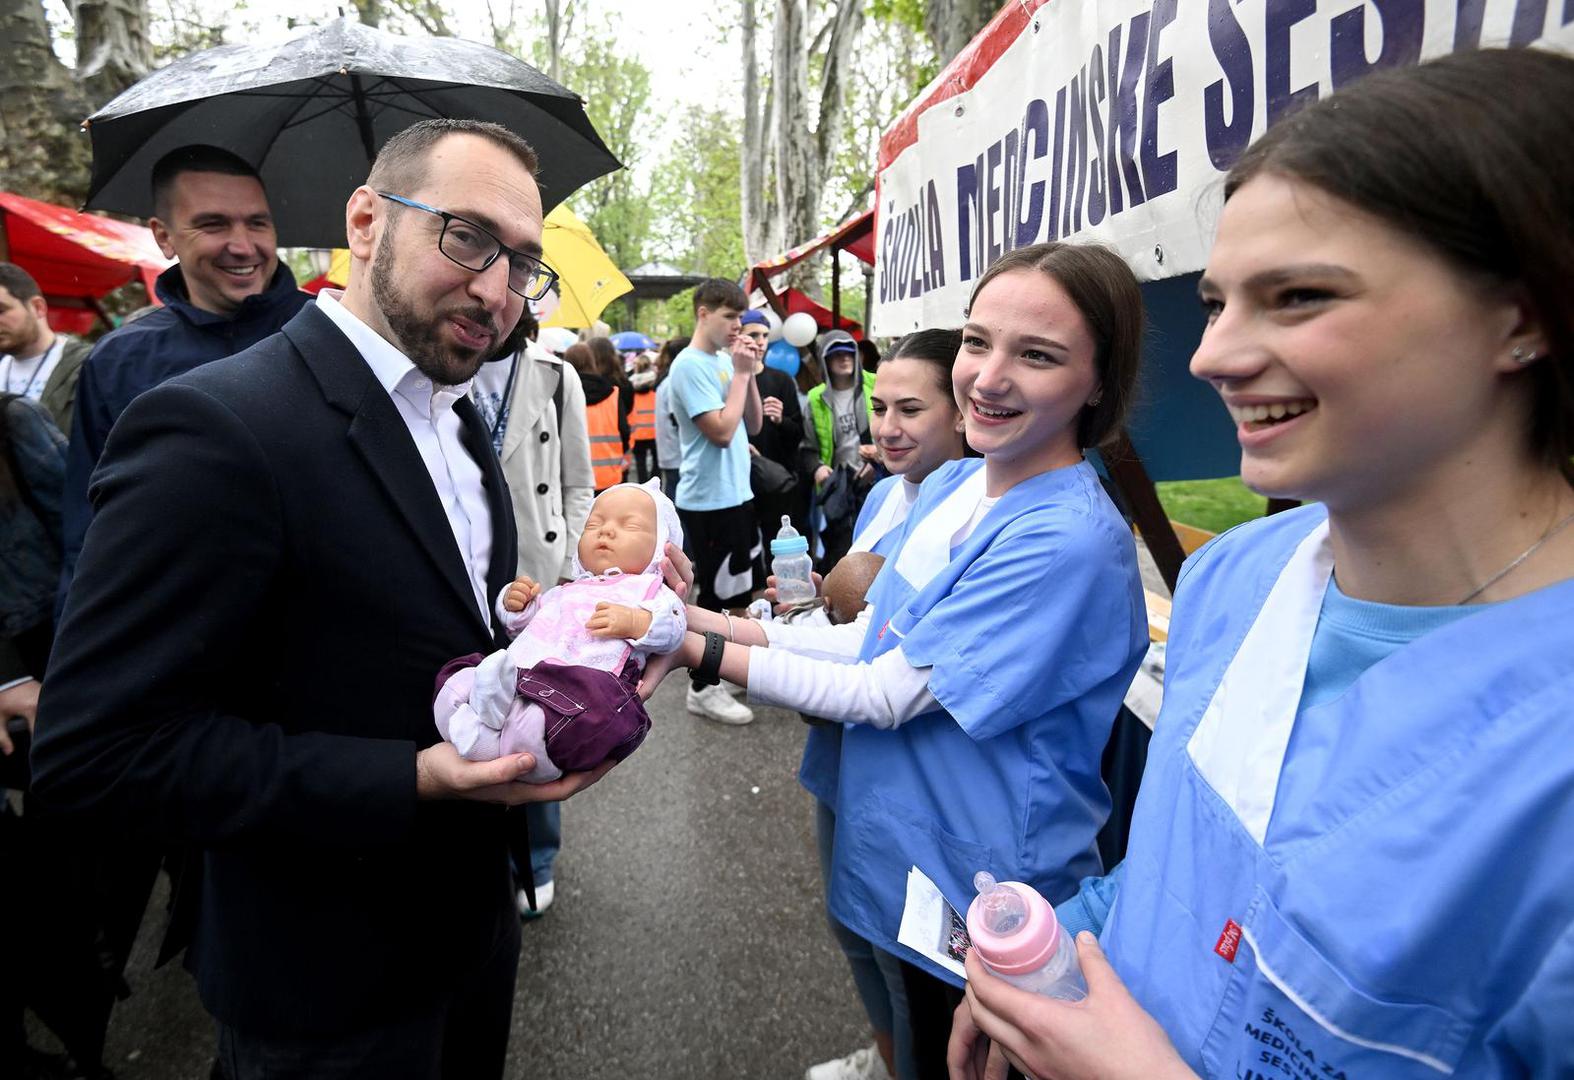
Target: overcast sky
(689, 59)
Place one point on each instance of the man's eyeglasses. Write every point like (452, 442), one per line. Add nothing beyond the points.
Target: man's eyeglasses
(475, 248)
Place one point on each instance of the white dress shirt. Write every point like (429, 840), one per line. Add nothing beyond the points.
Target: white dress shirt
(427, 409)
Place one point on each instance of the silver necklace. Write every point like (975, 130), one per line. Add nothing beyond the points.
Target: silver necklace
(1527, 553)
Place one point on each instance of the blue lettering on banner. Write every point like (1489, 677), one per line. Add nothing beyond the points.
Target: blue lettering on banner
(1467, 24)
(1096, 107)
(1076, 157)
(1056, 174)
(1035, 123)
(1279, 20)
(1402, 22)
(992, 200)
(1090, 143)
(914, 256)
(1530, 18)
(1227, 139)
(1158, 173)
(1123, 111)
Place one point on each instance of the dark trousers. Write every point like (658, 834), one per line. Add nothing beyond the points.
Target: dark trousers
(464, 1038)
(725, 545)
(930, 1005)
(644, 455)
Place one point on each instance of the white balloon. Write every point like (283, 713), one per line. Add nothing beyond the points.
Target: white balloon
(775, 321)
(800, 329)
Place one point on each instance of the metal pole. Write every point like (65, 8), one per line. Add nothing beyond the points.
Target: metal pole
(836, 287)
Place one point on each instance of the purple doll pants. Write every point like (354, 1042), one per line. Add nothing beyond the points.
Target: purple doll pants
(591, 716)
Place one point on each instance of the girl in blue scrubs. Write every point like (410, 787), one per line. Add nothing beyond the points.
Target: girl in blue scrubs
(1004, 630)
(1353, 853)
(917, 428)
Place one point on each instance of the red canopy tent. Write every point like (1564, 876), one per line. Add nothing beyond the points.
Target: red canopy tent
(855, 235)
(76, 258)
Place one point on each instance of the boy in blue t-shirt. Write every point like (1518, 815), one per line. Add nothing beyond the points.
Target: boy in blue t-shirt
(717, 406)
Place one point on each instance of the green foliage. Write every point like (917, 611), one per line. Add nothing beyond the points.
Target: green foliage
(904, 13)
(676, 316)
(616, 89)
(696, 197)
(1214, 505)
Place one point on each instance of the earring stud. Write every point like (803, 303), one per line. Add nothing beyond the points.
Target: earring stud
(1521, 356)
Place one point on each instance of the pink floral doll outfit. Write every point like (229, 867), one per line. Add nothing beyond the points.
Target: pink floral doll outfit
(556, 692)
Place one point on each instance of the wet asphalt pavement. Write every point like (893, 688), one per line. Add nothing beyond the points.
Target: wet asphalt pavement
(687, 938)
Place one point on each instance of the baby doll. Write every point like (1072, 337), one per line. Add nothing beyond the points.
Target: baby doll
(846, 586)
(565, 689)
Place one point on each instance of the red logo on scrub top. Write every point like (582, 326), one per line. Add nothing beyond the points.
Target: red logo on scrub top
(1229, 940)
(883, 629)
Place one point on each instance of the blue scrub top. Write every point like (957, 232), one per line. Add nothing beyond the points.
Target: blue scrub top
(1409, 911)
(822, 749)
(1033, 632)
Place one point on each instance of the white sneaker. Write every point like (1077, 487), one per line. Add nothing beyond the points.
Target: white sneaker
(543, 901)
(864, 1064)
(716, 704)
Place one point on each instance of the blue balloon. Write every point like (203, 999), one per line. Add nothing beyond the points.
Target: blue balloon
(783, 356)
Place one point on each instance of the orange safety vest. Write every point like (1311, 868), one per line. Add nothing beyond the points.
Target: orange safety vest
(642, 421)
(606, 442)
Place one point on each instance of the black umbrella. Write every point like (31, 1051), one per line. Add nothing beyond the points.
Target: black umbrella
(310, 114)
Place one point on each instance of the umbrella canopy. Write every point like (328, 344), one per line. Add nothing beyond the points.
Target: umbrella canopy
(587, 279)
(632, 341)
(310, 114)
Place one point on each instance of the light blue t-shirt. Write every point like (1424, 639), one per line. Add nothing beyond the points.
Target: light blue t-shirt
(710, 477)
(1351, 636)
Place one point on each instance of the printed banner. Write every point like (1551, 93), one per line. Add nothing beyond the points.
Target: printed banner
(1115, 120)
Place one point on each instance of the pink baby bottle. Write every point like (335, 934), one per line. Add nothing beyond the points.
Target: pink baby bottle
(1017, 936)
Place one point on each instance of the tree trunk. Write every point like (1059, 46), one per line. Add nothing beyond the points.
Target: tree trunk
(370, 12)
(951, 24)
(758, 207)
(556, 31)
(43, 154)
(804, 156)
(113, 50)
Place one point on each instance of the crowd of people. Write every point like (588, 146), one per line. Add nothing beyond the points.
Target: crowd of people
(267, 523)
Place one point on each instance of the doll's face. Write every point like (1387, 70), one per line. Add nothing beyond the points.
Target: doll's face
(621, 532)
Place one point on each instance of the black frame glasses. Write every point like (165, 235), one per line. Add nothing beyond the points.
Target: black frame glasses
(534, 278)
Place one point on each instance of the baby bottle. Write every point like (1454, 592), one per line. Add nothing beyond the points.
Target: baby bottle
(1017, 936)
(791, 565)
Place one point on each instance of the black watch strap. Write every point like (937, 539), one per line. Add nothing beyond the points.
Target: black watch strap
(708, 673)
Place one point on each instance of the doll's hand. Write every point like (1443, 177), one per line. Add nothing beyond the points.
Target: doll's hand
(618, 621)
(1106, 1035)
(520, 593)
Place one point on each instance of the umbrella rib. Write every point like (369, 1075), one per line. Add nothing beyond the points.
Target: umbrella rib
(296, 119)
(292, 120)
(417, 96)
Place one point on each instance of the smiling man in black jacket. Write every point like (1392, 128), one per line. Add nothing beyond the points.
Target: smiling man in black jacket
(289, 544)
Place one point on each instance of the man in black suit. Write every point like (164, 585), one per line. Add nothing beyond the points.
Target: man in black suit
(287, 546)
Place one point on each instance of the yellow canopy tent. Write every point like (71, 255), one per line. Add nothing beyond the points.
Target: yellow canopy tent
(587, 279)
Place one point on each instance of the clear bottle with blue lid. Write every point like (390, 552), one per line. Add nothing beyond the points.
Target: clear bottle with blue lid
(792, 566)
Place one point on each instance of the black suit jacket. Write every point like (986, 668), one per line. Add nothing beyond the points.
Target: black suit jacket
(246, 663)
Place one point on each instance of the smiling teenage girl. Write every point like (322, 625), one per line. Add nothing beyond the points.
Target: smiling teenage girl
(1350, 856)
(1005, 631)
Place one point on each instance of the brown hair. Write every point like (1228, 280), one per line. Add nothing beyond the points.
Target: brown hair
(669, 352)
(608, 364)
(937, 348)
(401, 163)
(1472, 155)
(579, 357)
(1105, 291)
